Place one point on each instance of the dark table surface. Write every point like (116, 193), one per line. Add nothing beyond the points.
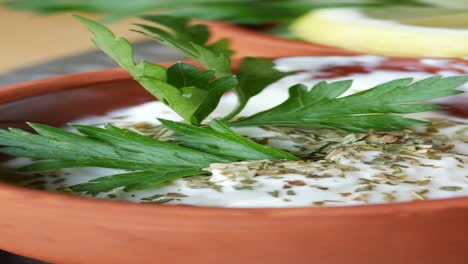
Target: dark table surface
(90, 61)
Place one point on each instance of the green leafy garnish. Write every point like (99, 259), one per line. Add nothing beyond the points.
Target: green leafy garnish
(223, 141)
(112, 147)
(109, 147)
(190, 40)
(191, 93)
(198, 96)
(131, 181)
(121, 51)
(375, 108)
(183, 87)
(254, 75)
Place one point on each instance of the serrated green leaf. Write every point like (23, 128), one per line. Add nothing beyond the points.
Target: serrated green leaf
(121, 51)
(186, 75)
(254, 75)
(150, 162)
(198, 96)
(222, 141)
(109, 147)
(191, 40)
(133, 181)
(184, 88)
(375, 108)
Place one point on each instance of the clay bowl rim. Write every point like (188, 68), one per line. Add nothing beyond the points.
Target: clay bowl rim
(245, 42)
(62, 83)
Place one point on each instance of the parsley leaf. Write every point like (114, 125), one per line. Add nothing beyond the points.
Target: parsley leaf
(193, 99)
(197, 95)
(121, 51)
(132, 181)
(191, 40)
(222, 141)
(376, 108)
(149, 162)
(108, 147)
(254, 75)
(184, 30)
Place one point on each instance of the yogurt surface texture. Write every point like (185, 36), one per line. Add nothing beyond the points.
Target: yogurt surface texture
(339, 168)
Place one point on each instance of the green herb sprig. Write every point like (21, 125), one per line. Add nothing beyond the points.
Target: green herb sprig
(375, 108)
(150, 162)
(188, 91)
(191, 40)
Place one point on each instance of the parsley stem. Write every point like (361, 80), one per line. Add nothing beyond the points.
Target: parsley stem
(234, 112)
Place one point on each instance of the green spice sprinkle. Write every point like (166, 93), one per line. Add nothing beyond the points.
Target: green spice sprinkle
(451, 188)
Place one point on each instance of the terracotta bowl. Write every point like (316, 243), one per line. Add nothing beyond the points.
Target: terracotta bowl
(67, 229)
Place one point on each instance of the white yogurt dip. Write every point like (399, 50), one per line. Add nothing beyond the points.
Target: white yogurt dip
(339, 168)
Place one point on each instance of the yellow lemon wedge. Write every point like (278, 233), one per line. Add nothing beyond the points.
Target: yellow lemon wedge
(396, 31)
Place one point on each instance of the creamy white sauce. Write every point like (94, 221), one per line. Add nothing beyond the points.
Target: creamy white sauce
(312, 184)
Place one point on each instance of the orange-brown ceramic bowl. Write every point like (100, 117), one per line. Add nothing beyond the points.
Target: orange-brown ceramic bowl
(67, 229)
